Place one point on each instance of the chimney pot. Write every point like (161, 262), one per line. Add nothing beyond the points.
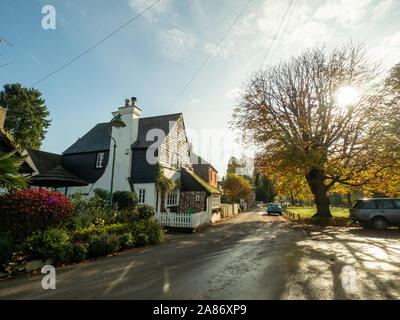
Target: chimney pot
(127, 102)
(133, 99)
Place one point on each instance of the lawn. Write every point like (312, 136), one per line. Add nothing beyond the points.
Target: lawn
(309, 212)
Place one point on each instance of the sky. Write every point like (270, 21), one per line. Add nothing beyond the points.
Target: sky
(154, 57)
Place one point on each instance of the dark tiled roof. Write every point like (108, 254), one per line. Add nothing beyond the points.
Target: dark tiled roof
(44, 161)
(199, 161)
(147, 124)
(192, 182)
(57, 177)
(95, 140)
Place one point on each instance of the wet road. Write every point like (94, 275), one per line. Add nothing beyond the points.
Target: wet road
(249, 257)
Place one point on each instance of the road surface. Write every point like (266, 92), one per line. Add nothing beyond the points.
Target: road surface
(251, 256)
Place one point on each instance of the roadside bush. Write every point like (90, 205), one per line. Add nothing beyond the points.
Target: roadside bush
(126, 241)
(155, 231)
(52, 243)
(79, 252)
(6, 249)
(145, 212)
(126, 200)
(85, 234)
(16, 263)
(102, 194)
(142, 240)
(26, 211)
(102, 245)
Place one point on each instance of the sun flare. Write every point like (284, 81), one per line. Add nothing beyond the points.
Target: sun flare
(347, 96)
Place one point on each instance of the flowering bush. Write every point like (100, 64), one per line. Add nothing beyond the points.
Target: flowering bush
(16, 264)
(26, 211)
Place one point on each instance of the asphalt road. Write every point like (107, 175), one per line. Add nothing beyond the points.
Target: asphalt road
(249, 257)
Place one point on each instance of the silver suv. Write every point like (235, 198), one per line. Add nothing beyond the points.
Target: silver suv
(378, 213)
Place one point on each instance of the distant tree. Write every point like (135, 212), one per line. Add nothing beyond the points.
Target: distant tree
(265, 190)
(236, 188)
(295, 114)
(26, 115)
(9, 171)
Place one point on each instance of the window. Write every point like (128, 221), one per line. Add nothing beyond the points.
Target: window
(142, 196)
(100, 160)
(197, 198)
(365, 204)
(172, 199)
(386, 204)
(215, 201)
(397, 203)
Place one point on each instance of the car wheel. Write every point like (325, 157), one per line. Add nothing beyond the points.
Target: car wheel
(380, 223)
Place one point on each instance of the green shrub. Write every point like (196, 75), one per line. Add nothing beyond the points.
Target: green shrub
(101, 194)
(145, 212)
(79, 252)
(6, 249)
(52, 243)
(102, 245)
(126, 200)
(66, 253)
(126, 241)
(85, 234)
(155, 231)
(142, 240)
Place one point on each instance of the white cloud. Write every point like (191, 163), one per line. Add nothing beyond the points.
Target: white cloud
(388, 51)
(347, 13)
(154, 12)
(382, 9)
(195, 101)
(176, 42)
(234, 93)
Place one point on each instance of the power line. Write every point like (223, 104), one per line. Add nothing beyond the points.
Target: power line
(209, 56)
(96, 44)
(276, 33)
(287, 22)
(6, 42)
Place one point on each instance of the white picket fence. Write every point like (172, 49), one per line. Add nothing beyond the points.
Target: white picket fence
(183, 220)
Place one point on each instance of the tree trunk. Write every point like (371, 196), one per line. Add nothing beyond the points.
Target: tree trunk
(315, 179)
(292, 198)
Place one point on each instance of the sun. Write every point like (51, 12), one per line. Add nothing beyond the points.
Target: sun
(347, 96)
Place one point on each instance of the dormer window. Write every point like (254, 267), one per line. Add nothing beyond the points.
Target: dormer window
(100, 160)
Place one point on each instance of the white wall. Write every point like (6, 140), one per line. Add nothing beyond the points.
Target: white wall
(123, 157)
(151, 193)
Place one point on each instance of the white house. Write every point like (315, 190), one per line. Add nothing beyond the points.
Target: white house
(140, 145)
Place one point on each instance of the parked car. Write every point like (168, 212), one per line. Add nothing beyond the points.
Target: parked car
(274, 208)
(377, 213)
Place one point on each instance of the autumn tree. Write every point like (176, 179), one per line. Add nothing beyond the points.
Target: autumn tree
(26, 115)
(236, 187)
(304, 123)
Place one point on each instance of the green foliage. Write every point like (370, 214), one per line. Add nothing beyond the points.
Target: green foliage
(236, 188)
(26, 115)
(79, 252)
(6, 248)
(126, 241)
(142, 240)
(145, 212)
(102, 245)
(102, 194)
(51, 243)
(9, 171)
(126, 200)
(85, 234)
(264, 189)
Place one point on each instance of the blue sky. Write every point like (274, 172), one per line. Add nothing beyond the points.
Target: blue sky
(154, 57)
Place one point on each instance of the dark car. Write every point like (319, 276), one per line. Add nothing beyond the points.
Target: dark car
(377, 213)
(274, 208)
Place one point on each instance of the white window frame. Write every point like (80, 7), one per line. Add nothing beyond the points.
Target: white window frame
(100, 160)
(141, 196)
(172, 199)
(198, 198)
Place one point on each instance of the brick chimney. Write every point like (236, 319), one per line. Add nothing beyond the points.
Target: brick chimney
(2, 117)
